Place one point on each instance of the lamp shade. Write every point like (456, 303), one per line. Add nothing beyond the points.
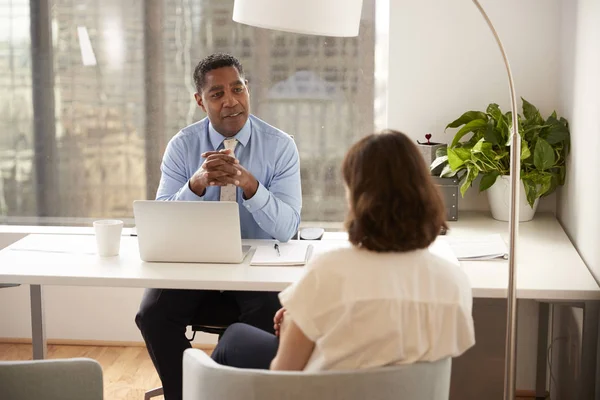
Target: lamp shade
(313, 17)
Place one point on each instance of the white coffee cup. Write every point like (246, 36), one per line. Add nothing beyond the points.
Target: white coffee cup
(108, 236)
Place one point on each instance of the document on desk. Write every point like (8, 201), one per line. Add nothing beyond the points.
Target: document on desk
(54, 244)
(472, 248)
(289, 254)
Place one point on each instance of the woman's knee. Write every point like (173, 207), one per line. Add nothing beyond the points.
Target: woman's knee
(235, 331)
(245, 346)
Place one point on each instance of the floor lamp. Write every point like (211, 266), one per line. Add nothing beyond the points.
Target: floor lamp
(342, 18)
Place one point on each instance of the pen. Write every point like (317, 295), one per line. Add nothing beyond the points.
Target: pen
(276, 247)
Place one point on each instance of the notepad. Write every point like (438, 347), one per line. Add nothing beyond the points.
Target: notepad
(486, 247)
(293, 253)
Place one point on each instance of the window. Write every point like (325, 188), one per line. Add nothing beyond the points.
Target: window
(122, 90)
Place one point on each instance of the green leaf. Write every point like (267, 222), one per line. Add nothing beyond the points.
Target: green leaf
(552, 120)
(535, 129)
(525, 152)
(488, 180)
(531, 113)
(441, 151)
(545, 184)
(471, 175)
(530, 191)
(562, 172)
(463, 152)
(494, 111)
(557, 133)
(471, 126)
(437, 162)
(501, 155)
(466, 118)
(503, 130)
(509, 123)
(454, 160)
(543, 155)
(448, 172)
(492, 134)
(483, 155)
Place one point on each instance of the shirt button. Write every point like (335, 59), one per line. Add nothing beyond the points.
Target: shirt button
(259, 224)
(247, 206)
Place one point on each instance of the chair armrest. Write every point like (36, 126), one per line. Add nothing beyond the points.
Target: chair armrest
(198, 357)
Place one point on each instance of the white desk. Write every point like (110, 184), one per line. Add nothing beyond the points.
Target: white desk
(548, 269)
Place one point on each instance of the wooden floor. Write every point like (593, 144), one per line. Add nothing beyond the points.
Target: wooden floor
(128, 371)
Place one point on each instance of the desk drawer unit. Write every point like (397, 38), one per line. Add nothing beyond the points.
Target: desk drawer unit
(449, 189)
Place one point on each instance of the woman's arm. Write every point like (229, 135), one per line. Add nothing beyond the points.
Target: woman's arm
(294, 348)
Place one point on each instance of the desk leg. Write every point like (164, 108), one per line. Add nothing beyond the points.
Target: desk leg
(542, 351)
(589, 351)
(38, 333)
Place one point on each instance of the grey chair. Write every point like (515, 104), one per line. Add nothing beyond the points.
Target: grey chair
(205, 379)
(61, 379)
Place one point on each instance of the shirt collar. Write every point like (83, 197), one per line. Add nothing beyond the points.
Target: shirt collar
(243, 136)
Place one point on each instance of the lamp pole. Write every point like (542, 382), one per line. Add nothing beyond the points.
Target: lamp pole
(510, 353)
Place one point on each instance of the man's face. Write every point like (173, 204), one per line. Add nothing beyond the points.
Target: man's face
(225, 99)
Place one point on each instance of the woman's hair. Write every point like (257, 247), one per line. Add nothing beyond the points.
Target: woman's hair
(394, 205)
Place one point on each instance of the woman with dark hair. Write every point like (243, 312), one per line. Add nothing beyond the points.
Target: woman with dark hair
(386, 299)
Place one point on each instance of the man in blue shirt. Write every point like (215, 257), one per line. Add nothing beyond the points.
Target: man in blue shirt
(259, 169)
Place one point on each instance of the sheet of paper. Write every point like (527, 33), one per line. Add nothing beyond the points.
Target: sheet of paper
(296, 253)
(486, 247)
(54, 244)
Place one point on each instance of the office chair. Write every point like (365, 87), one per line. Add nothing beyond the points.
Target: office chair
(205, 379)
(214, 322)
(58, 379)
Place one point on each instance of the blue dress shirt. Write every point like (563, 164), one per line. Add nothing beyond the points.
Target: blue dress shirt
(269, 154)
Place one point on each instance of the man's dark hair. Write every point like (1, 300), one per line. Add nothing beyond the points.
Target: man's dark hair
(214, 61)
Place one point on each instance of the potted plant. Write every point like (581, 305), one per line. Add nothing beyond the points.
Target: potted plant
(482, 147)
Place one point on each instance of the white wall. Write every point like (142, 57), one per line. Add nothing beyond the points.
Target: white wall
(579, 199)
(444, 61)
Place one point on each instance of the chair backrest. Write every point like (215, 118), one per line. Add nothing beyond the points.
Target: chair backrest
(205, 379)
(66, 379)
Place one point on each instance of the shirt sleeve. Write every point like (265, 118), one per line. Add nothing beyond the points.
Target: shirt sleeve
(312, 300)
(174, 182)
(277, 208)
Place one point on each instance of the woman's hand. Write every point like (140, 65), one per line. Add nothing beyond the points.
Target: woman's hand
(294, 349)
(278, 320)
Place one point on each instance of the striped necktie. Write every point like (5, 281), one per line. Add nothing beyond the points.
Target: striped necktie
(228, 193)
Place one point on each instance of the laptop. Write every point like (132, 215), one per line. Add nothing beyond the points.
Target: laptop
(189, 231)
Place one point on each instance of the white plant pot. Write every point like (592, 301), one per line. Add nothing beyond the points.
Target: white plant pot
(499, 199)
